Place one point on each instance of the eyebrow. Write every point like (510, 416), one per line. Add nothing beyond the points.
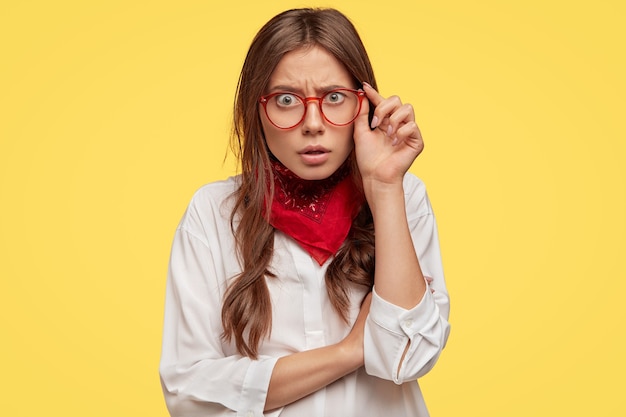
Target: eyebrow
(319, 90)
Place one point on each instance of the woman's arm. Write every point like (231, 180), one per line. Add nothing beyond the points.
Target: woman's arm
(300, 374)
(407, 326)
(197, 376)
(384, 155)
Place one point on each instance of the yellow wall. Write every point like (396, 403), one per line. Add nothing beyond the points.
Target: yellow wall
(113, 112)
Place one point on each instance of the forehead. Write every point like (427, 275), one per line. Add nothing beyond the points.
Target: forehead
(310, 68)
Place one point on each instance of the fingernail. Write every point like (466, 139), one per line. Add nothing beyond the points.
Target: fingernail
(389, 130)
(366, 84)
(394, 142)
(374, 122)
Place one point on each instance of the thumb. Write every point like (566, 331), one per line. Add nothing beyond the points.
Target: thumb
(362, 123)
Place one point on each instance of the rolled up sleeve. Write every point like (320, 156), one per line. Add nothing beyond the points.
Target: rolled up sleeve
(390, 328)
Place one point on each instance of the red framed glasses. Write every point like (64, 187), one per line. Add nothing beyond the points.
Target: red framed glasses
(286, 110)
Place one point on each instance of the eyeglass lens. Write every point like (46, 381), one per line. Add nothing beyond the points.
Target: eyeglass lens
(339, 107)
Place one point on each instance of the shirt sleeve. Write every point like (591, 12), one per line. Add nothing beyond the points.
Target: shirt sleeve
(425, 327)
(197, 377)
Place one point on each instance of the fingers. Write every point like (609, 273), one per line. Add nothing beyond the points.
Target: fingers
(365, 305)
(429, 281)
(372, 94)
(394, 118)
(410, 133)
(361, 124)
(367, 301)
(365, 309)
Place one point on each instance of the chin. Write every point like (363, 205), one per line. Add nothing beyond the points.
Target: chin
(314, 173)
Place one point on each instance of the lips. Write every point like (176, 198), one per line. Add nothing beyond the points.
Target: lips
(314, 155)
(314, 150)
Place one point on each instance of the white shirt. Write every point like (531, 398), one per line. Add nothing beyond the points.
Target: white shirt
(203, 376)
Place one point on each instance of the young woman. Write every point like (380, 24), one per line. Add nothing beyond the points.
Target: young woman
(311, 284)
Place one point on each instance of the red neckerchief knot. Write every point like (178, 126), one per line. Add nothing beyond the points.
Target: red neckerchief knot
(317, 214)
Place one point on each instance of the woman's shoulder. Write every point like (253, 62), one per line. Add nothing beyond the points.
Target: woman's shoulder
(210, 204)
(216, 191)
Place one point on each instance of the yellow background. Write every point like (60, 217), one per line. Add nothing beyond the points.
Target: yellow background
(113, 112)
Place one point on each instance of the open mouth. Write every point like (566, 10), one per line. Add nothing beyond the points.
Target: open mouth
(314, 155)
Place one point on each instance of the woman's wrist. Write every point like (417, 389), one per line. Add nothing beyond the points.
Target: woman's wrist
(350, 353)
(380, 194)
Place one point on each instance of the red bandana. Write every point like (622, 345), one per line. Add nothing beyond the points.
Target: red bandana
(317, 214)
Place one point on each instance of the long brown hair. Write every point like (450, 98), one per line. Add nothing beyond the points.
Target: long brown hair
(246, 310)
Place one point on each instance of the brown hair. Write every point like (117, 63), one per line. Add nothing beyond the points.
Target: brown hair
(246, 309)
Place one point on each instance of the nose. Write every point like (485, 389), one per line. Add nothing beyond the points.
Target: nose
(313, 119)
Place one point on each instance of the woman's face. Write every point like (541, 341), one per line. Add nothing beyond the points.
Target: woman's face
(314, 149)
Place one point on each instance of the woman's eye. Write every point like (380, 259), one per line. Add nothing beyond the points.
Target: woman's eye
(286, 100)
(335, 97)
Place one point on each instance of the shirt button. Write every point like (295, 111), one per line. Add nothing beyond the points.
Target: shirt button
(250, 414)
(408, 322)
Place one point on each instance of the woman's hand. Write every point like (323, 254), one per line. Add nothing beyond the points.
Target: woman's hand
(385, 154)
